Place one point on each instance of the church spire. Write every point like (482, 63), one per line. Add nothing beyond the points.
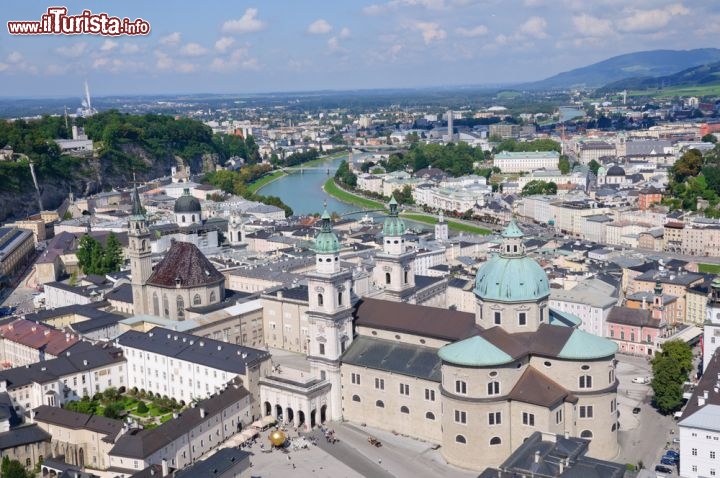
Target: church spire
(512, 241)
(137, 208)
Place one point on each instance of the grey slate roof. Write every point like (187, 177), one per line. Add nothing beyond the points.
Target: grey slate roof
(215, 466)
(396, 357)
(139, 444)
(77, 421)
(191, 348)
(23, 436)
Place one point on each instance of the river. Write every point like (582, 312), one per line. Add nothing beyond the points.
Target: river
(303, 191)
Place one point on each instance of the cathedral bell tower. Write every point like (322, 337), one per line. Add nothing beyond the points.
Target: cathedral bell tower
(139, 254)
(394, 270)
(329, 314)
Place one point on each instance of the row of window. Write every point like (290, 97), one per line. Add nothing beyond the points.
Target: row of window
(712, 470)
(694, 452)
(521, 316)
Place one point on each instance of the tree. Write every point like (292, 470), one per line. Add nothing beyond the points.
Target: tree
(709, 138)
(141, 408)
(13, 469)
(564, 164)
(688, 165)
(345, 176)
(404, 196)
(539, 187)
(594, 166)
(113, 410)
(670, 370)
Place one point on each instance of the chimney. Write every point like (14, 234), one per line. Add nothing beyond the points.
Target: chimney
(705, 394)
(202, 412)
(537, 458)
(85, 363)
(701, 401)
(165, 469)
(32, 416)
(567, 435)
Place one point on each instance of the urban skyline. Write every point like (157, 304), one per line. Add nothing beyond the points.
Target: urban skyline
(290, 46)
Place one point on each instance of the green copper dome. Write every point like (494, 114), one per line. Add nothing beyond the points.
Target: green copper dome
(582, 345)
(511, 276)
(326, 242)
(393, 226)
(474, 352)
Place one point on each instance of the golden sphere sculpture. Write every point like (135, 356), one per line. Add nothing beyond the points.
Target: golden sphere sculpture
(277, 437)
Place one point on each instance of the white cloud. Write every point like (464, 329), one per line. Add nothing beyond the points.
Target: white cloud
(649, 20)
(334, 45)
(4, 66)
(224, 43)
(15, 57)
(108, 45)
(534, 27)
(164, 62)
(193, 49)
(100, 62)
(319, 27)
(55, 69)
(344, 33)
(377, 9)
(431, 31)
(186, 68)
(477, 31)
(248, 23)
(73, 51)
(239, 59)
(130, 48)
(171, 39)
(590, 26)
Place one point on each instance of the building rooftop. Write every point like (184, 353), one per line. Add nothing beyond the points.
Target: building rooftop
(186, 265)
(77, 421)
(396, 357)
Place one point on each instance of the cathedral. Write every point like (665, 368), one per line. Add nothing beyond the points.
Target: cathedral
(476, 384)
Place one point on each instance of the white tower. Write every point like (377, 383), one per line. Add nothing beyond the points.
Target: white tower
(395, 267)
(711, 330)
(450, 125)
(236, 230)
(139, 254)
(329, 314)
(441, 228)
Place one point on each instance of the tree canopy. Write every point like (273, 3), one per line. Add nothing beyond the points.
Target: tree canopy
(345, 176)
(670, 370)
(539, 187)
(454, 159)
(13, 469)
(93, 258)
(512, 145)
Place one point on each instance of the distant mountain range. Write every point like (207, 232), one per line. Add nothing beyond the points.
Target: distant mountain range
(702, 75)
(642, 64)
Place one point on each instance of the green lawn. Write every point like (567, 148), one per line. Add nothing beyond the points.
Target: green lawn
(264, 181)
(335, 191)
(709, 268)
(456, 226)
(705, 90)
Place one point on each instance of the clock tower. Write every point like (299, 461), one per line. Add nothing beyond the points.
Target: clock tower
(139, 254)
(394, 270)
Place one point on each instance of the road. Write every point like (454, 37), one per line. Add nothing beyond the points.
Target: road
(642, 437)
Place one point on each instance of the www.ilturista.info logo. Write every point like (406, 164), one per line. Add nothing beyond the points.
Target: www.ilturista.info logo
(57, 22)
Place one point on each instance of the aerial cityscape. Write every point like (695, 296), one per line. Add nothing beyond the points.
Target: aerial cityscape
(406, 238)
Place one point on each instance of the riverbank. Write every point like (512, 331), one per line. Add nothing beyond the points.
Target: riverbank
(340, 194)
(275, 175)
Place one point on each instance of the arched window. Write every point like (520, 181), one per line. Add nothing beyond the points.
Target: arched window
(213, 297)
(493, 388)
(356, 398)
(586, 434)
(193, 218)
(28, 463)
(183, 218)
(339, 298)
(405, 277)
(197, 300)
(180, 307)
(387, 277)
(614, 427)
(460, 439)
(404, 409)
(380, 404)
(320, 300)
(495, 441)
(430, 416)
(156, 304)
(166, 306)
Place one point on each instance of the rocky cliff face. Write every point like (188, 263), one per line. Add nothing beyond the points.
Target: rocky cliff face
(97, 175)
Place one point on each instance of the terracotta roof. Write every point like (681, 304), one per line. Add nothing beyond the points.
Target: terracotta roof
(38, 336)
(415, 319)
(185, 262)
(535, 388)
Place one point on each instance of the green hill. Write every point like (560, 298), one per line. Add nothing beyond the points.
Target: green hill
(646, 64)
(698, 76)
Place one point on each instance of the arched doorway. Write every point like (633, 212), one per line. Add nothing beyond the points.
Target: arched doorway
(313, 418)
(81, 458)
(290, 416)
(278, 413)
(323, 414)
(268, 409)
(301, 418)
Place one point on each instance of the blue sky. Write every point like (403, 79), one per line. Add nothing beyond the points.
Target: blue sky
(289, 45)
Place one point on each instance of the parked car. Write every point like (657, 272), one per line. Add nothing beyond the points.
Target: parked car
(668, 460)
(641, 380)
(673, 454)
(676, 440)
(663, 469)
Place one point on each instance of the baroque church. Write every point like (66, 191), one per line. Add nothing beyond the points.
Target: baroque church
(476, 384)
